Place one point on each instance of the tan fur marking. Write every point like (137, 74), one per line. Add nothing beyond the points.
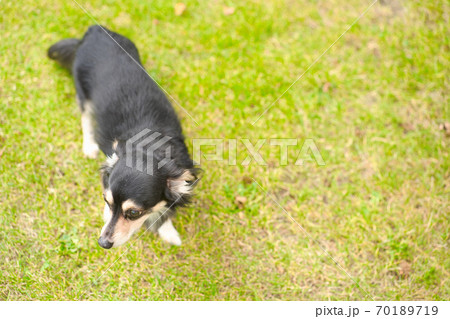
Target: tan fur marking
(160, 206)
(109, 197)
(125, 228)
(114, 144)
(130, 204)
(122, 226)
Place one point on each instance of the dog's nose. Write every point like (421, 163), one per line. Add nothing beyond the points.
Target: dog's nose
(105, 243)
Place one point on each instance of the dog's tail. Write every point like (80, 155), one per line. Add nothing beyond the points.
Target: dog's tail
(64, 51)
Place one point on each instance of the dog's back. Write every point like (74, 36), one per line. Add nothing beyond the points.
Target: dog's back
(109, 75)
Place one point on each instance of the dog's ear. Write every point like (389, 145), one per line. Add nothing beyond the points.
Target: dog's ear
(180, 187)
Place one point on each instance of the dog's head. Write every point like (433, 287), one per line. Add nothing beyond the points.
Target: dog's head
(132, 196)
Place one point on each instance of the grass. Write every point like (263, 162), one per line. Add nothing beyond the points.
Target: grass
(374, 106)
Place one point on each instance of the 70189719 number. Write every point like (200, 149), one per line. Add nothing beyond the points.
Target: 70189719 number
(407, 310)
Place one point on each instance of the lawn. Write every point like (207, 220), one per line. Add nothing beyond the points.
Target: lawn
(372, 223)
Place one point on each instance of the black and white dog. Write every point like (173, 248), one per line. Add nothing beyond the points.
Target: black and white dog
(126, 115)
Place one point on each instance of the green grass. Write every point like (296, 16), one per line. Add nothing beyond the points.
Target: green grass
(373, 105)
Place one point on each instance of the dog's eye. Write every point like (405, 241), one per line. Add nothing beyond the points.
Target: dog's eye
(133, 214)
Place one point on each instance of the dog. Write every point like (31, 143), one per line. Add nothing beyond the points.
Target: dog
(148, 173)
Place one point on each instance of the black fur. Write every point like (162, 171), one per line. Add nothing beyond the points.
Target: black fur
(125, 102)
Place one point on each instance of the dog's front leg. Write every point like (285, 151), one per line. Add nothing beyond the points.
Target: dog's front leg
(90, 146)
(169, 234)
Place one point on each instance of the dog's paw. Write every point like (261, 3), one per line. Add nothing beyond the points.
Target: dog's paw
(90, 150)
(173, 239)
(169, 234)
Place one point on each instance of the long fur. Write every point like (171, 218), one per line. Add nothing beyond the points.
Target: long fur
(124, 101)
